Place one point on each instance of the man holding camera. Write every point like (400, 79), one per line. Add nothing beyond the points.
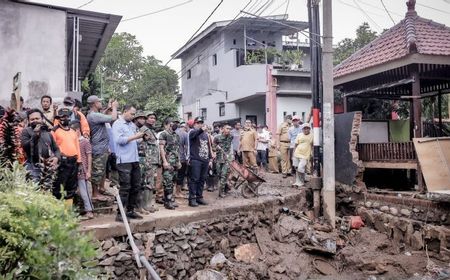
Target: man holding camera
(39, 145)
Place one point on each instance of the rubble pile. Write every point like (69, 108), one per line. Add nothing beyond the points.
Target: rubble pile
(275, 244)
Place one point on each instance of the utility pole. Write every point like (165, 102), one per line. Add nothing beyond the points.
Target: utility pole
(316, 80)
(328, 191)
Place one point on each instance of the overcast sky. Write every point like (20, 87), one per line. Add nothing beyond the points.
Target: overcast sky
(163, 33)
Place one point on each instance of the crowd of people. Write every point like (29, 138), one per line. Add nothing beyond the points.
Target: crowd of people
(152, 165)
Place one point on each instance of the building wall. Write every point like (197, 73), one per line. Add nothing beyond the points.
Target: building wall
(267, 37)
(32, 41)
(290, 104)
(256, 107)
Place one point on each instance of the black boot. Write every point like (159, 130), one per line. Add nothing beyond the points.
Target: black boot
(193, 203)
(201, 201)
(168, 204)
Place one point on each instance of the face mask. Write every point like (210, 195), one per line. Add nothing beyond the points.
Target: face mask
(216, 130)
(174, 127)
(65, 122)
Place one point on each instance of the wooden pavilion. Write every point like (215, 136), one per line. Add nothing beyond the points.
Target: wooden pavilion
(410, 61)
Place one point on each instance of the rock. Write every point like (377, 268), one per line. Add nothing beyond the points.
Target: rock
(376, 204)
(107, 262)
(384, 208)
(218, 260)
(119, 270)
(279, 268)
(160, 232)
(208, 274)
(393, 211)
(177, 231)
(416, 240)
(415, 210)
(185, 246)
(199, 240)
(123, 246)
(159, 251)
(123, 257)
(247, 253)
(138, 236)
(405, 212)
(107, 244)
(113, 251)
(368, 204)
(443, 217)
(224, 244)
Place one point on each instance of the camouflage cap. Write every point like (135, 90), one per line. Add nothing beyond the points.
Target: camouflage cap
(140, 114)
(149, 113)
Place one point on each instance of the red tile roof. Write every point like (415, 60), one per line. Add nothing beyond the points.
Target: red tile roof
(412, 35)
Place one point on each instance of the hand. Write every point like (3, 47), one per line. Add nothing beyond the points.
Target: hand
(139, 135)
(166, 165)
(114, 104)
(55, 107)
(210, 164)
(53, 161)
(178, 165)
(88, 175)
(37, 129)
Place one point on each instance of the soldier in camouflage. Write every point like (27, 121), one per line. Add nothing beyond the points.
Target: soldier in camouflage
(224, 156)
(169, 150)
(149, 162)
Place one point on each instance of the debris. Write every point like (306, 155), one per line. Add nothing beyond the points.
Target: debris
(324, 267)
(247, 253)
(263, 239)
(208, 274)
(218, 260)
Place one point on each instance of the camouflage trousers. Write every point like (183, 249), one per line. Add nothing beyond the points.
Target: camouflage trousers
(98, 169)
(149, 173)
(223, 170)
(169, 178)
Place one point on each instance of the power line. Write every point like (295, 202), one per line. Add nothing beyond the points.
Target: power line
(85, 4)
(158, 11)
(264, 7)
(368, 17)
(287, 7)
(254, 5)
(432, 8)
(279, 6)
(384, 6)
(214, 46)
(198, 29)
(346, 4)
(381, 9)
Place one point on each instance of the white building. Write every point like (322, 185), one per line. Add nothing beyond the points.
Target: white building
(225, 79)
(53, 48)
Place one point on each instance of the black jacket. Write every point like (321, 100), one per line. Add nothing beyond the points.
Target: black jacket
(36, 146)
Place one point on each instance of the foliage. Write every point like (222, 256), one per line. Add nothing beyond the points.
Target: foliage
(163, 105)
(125, 74)
(9, 137)
(39, 238)
(285, 57)
(348, 46)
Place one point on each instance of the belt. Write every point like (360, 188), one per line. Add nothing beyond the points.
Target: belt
(285, 141)
(68, 157)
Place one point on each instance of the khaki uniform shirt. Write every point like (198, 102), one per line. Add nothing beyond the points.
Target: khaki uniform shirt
(49, 117)
(248, 140)
(283, 132)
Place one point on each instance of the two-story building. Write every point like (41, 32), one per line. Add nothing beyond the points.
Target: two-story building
(53, 48)
(250, 68)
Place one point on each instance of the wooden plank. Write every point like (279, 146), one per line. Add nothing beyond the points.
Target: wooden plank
(390, 165)
(434, 157)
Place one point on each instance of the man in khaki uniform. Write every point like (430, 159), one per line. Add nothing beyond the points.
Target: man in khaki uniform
(248, 142)
(284, 144)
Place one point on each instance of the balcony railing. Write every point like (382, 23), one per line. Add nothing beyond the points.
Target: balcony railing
(394, 152)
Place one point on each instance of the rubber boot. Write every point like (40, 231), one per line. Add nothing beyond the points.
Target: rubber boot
(298, 181)
(168, 204)
(143, 201)
(221, 191)
(150, 207)
(302, 179)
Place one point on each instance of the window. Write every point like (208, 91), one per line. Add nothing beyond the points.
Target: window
(188, 74)
(203, 112)
(214, 59)
(221, 109)
(234, 41)
(294, 113)
(189, 115)
(303, 116)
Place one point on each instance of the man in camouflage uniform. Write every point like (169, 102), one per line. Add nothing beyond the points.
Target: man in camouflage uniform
(169, 150)
(224, 155)
(149, 161)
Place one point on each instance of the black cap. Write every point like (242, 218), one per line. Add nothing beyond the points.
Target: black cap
(64, 112)
(69, 101)
(198, 120)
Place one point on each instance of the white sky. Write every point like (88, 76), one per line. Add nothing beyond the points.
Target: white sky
(163, 33)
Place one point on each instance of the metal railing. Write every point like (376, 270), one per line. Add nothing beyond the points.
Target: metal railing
(140, 258)
(387, 151)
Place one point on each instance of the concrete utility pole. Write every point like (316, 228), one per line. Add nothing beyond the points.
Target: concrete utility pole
(328, 191)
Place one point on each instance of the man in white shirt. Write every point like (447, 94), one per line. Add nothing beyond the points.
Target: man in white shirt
(261, 147)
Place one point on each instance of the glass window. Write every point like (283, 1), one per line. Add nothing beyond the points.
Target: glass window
(221, 109)
(188, 74)
(203, 111)
(214, 59)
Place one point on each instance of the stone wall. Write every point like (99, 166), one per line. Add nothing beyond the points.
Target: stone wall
(181, 251)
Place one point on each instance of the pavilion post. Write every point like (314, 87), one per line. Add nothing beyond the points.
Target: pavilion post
(417, 116)
(440, 113)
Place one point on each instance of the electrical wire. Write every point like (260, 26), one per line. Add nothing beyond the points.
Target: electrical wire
(435, 9)
(279, 6)
(198, 29)
(349, 5)
(367, 15)
(384, 6)
(85, 4)
(381, 9)
(158, 11)
(286, 10)
(214, 46)
(265, 7)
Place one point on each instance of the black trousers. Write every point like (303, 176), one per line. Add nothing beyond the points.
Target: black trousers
(130, 182)
(182, 173)
(198, 172)
(66, 178)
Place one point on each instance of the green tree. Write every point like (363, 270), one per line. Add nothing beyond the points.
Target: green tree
(348, 46)
(164, 105)
(125, 74)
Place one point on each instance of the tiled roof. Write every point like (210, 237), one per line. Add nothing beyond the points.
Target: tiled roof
(413, 34)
